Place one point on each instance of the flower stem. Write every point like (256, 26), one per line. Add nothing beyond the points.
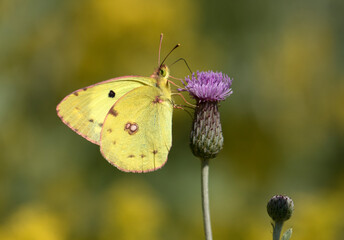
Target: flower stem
(277, 230)
(205, 199)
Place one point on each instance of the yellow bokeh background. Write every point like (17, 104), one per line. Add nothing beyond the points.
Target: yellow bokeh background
(283, 126)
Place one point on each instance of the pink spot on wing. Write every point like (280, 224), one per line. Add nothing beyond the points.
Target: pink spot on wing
(157, 100)
(113, 112)
(131, 128)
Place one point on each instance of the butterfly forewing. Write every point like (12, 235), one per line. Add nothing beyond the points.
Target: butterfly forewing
(84, 110)
(137, 132)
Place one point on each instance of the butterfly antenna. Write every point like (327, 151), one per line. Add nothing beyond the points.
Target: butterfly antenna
(161, 37)
(184, 62)
(169, 53)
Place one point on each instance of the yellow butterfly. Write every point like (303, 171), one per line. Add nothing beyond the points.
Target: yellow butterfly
(130, 118)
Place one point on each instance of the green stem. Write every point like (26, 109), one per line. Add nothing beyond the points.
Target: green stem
(277, 230)
(205, 199)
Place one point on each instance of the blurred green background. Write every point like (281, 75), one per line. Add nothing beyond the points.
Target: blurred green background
(283, 126)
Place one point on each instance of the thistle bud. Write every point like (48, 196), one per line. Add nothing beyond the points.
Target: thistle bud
(208, 88)
(280, 208)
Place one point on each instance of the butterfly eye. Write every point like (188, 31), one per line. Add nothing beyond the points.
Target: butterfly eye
(162, 72)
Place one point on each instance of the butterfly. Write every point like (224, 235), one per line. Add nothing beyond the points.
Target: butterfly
(129, 117)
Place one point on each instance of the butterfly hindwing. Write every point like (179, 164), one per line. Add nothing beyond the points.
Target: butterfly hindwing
(84, 110)
(137, 131)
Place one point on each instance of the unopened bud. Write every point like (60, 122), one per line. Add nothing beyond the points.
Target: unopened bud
(280, 208)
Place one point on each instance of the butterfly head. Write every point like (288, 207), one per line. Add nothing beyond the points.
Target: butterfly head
(161, 74)
(163, 71)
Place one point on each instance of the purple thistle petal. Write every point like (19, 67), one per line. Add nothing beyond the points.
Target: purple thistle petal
(208, 86)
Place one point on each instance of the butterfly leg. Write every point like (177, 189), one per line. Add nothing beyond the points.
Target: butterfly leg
(181, 95)
(178, 107)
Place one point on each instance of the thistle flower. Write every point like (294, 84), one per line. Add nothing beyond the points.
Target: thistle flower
(208, 88)
(206, 140)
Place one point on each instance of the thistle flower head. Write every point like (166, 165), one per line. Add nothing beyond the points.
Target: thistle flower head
(280, 208)
(208, 86)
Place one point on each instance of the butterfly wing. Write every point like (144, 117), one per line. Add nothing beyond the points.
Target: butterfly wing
(137, 132)
(84, 110)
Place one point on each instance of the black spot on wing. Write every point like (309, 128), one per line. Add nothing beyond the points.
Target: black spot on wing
(111, 94)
